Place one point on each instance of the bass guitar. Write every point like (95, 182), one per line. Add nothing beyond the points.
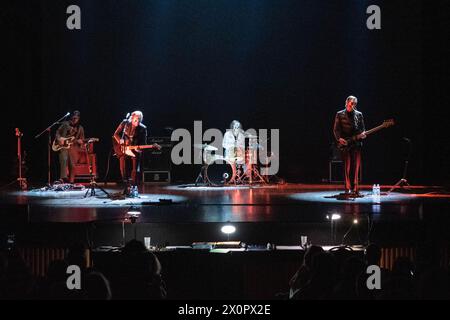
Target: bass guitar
(352, 140)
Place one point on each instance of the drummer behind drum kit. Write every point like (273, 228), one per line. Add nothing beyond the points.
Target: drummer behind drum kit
(237, 167)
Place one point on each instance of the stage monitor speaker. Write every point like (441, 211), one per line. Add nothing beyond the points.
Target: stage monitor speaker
(158, 160)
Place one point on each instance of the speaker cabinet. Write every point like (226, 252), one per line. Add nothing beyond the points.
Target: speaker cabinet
(158, 160)
(82, 168)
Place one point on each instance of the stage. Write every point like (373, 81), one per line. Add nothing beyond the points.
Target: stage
(178, 215)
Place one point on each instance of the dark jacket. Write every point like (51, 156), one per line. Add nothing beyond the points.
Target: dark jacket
(132, 137)
(348, 124)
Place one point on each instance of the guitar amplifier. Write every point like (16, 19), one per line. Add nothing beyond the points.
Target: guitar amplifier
(82, 168)
(158, 160)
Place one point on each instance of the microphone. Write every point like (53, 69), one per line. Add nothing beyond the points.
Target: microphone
(127, 116)
(67, 114)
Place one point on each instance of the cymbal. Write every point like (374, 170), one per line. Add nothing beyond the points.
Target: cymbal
(199, 146)
(205, 146)
(210, 148)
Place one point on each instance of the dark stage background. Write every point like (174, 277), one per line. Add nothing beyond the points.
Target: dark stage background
(271, 64)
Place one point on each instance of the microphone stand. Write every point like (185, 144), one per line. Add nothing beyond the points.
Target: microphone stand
(48, 130)
(127, 189)
(403, 181)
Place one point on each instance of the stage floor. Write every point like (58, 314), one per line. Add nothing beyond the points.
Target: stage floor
(188, 203)
(185, 213)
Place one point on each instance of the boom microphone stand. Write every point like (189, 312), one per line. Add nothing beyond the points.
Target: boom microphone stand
(49, 155)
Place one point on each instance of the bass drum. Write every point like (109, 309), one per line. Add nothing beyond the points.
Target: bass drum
(220, 172)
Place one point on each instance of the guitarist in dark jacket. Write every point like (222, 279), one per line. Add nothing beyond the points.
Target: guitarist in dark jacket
(70, 135)
(130, 132)
(348, 131)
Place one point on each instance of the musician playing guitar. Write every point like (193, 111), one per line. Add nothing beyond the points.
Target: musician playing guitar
(349, 123)
(130, 132)
(68, 156)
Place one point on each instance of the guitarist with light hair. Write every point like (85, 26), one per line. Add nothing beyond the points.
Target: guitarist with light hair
(130, 132)
(69, 138)
(349, 123)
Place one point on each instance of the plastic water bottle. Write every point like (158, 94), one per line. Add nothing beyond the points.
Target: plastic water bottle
(136, 192)
(376, 193)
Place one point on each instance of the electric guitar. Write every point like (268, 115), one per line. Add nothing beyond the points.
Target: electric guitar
(128, 150)
(66, 143)
(352, 140)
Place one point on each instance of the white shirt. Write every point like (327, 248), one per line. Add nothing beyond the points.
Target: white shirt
(231, 141)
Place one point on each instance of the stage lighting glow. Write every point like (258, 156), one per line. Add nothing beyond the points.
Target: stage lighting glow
(134, 213)
(228, 229)
(335, 216)
(355, 221)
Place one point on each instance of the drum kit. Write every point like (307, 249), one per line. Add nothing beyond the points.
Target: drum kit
(236, 167)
